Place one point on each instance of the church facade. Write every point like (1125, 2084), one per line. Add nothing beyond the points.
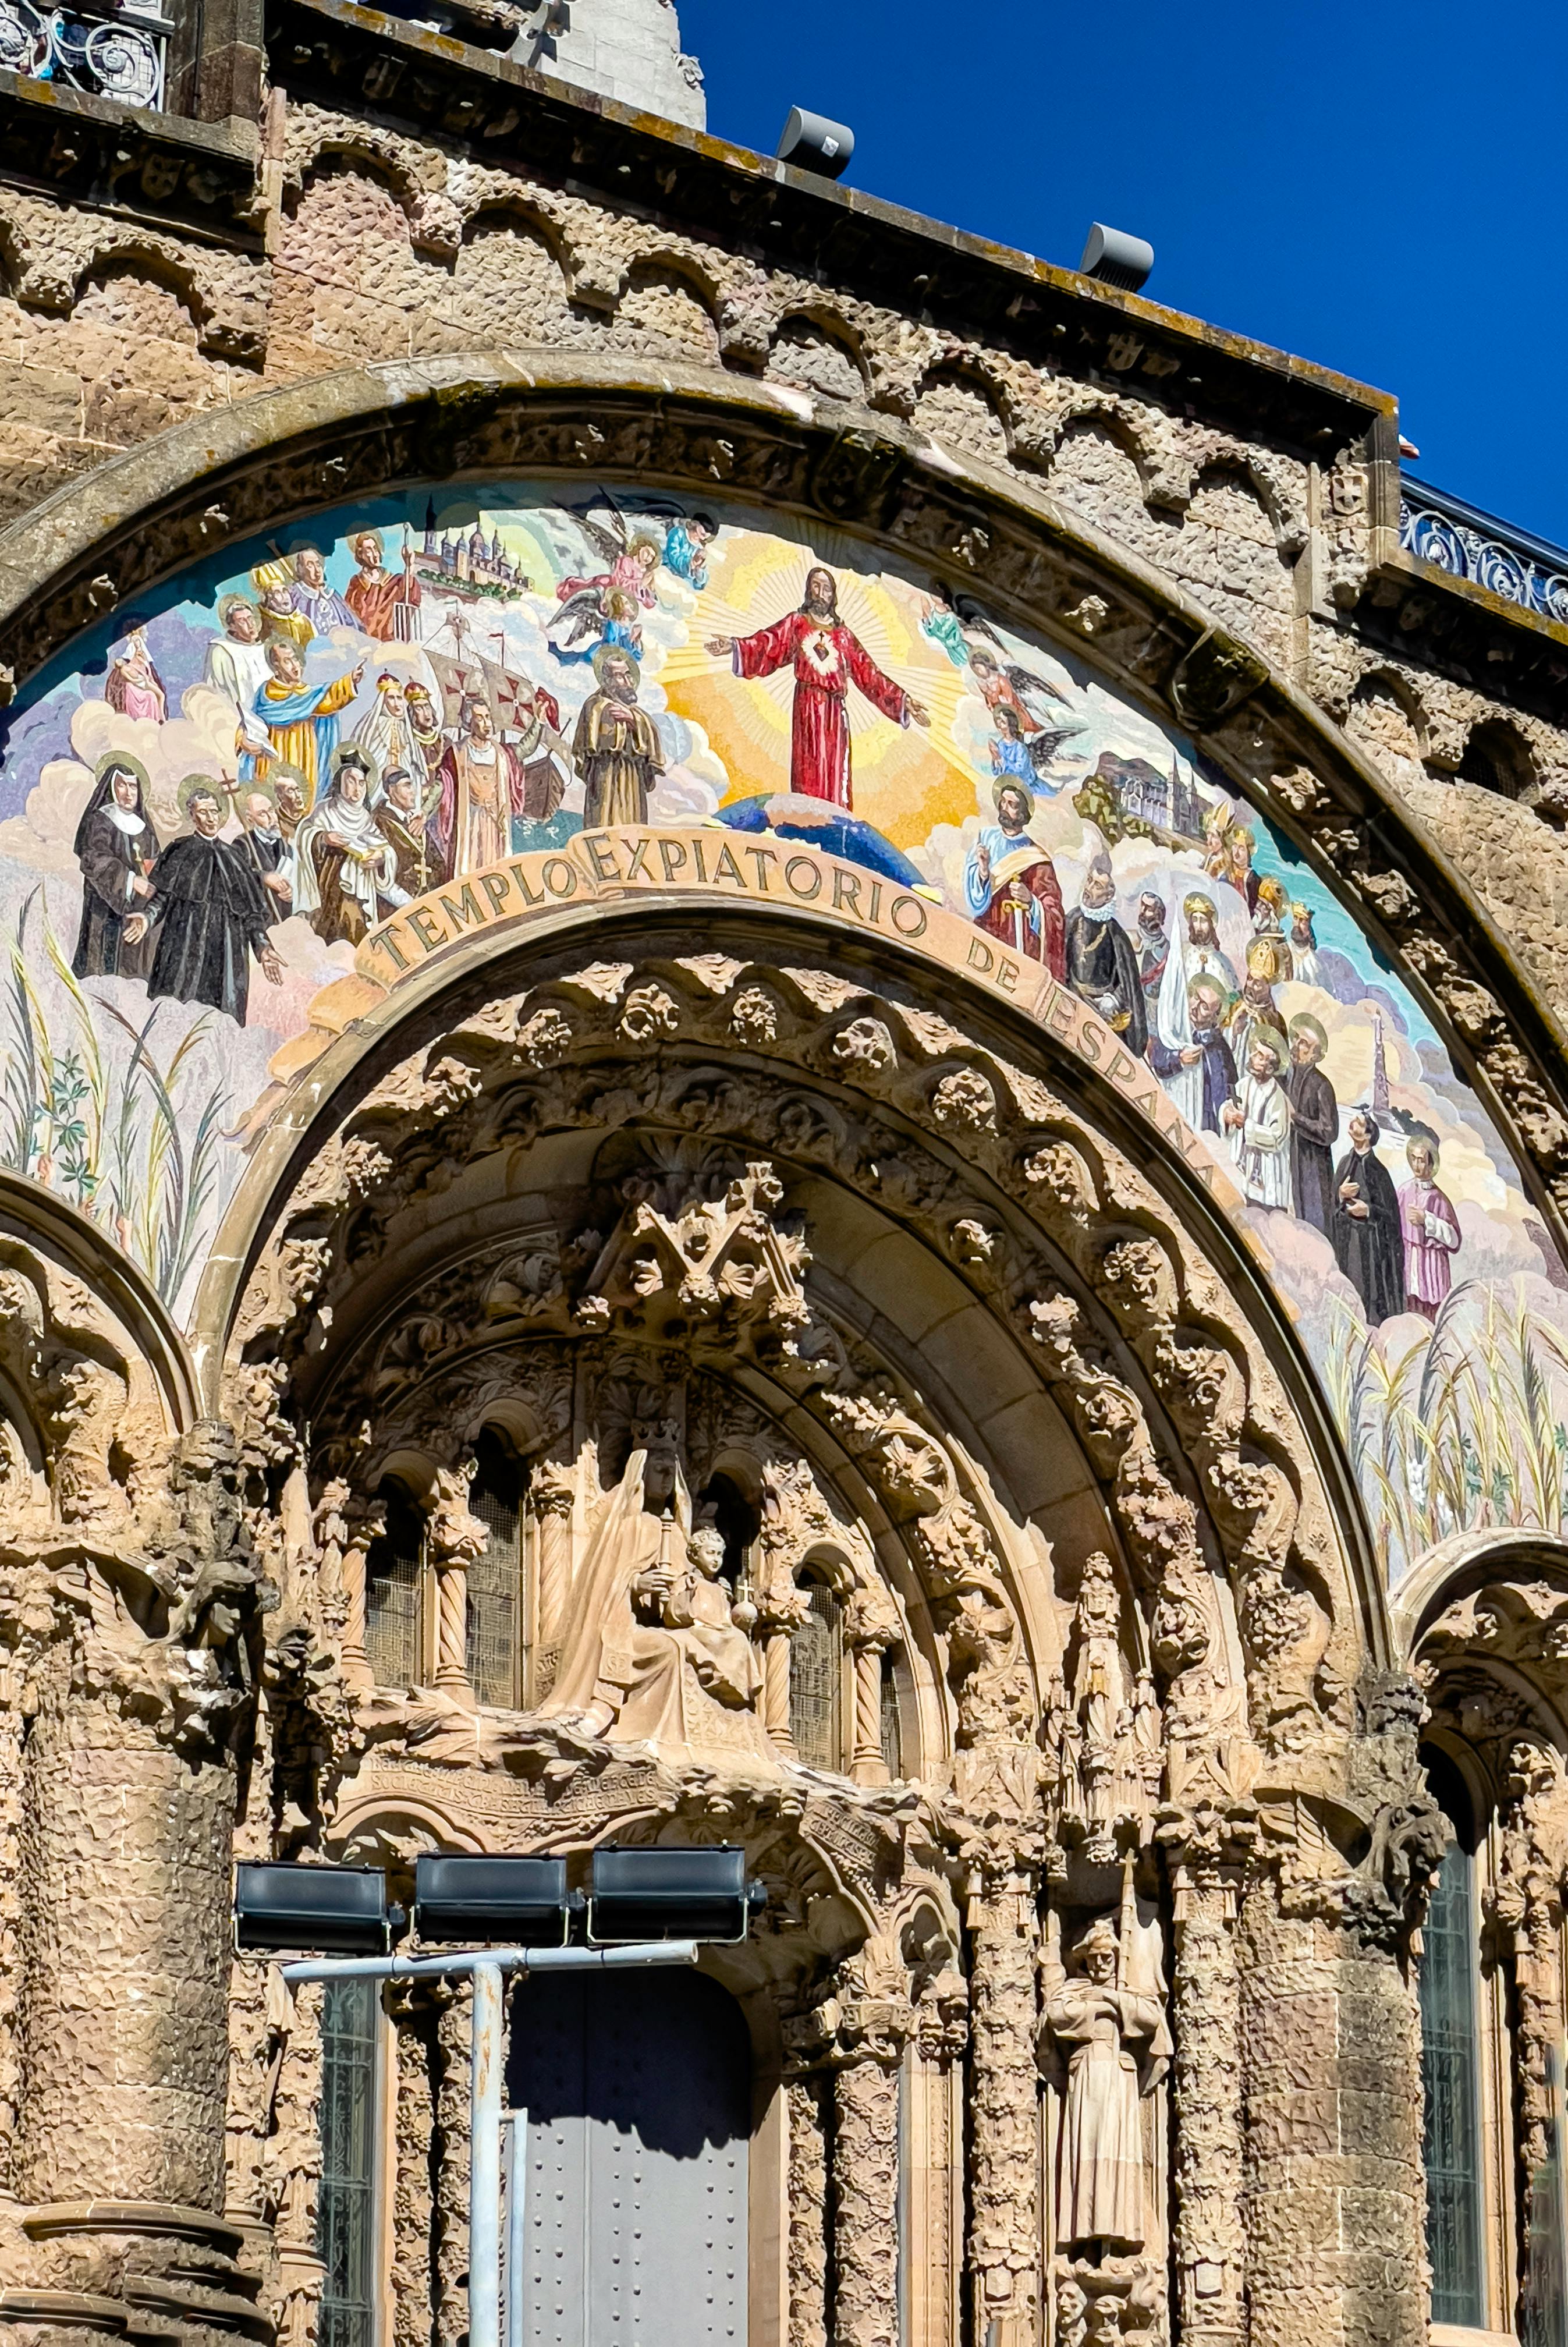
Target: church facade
(783, 1065)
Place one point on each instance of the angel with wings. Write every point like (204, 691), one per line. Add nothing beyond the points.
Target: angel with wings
(633, 556)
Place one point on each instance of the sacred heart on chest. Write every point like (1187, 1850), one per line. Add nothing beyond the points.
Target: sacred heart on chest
(821, 652)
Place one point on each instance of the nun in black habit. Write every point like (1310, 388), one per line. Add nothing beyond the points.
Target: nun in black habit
(117, 849)
(1366, 1231)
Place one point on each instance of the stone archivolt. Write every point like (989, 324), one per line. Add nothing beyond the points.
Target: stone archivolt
(687, 1231)
(792, 1299)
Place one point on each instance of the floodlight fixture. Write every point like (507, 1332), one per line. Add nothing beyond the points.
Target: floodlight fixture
(811, 142)
(1115, 258)
(670, 1894)
(520, 1903)
(340, 1910)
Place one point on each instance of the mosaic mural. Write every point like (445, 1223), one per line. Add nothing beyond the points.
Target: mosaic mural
(231, 793)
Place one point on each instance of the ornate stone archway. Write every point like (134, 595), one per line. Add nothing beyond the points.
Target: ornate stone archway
(775, 1211)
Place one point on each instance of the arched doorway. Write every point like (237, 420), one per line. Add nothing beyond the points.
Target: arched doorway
(638, 2091)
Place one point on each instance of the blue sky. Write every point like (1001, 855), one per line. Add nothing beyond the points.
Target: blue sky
(1376, 187)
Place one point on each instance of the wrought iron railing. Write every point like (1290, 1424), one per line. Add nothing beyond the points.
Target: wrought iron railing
(1469, 544)
(112, 51)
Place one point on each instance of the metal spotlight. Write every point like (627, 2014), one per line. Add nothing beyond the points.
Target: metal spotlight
(519, 1902)
(812, 143)
(671, 1894)
(340, 1910)
(1115, 258)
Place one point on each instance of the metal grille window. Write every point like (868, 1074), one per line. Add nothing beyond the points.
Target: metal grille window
(816, 1680)
(393, 1590)
(114, 51)
(494, 1579)
(1451, 2075)
(346, 2204)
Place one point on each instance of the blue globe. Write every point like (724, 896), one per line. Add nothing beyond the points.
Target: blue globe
(792, 815)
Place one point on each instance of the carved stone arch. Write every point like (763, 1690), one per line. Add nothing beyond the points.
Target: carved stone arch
(814, 346)
(98, 1382)
(495, 210)
(1096, 1236)
(1096, 417)
(160, 260)
(669, 302)
(1498, 757)
(1488, 1623)
(1385, 718)
(409, 169)
(962, 404)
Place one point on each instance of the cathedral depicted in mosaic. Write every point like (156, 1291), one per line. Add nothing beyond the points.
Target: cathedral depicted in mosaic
(782, 1027)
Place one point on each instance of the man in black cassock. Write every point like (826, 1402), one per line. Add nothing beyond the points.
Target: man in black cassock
(1368, 1235)
(1101, 966)
(1314, 1125)
(209, 914)
(117, 847)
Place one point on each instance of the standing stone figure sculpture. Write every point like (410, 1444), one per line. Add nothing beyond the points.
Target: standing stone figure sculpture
(1117, 2048)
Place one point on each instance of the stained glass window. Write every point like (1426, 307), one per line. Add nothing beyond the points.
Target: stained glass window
(392, 1594)
(494, 1579)
(816, 1680)
(346, 2202)
(1450, 2069)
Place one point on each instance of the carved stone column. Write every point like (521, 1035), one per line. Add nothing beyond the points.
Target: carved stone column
(456, 1539)
(871, 2034)
(294, 2164)
(124, 1938)
(365, 1523)
(776, 1686)
(866, 1766)
(1335, 2203)
(453, 2039)
(809, 2103)
(126, 1846)
(414, 2021)
(1527, 1906)
(1206, 1851)
(1004, 2223)
(552, 1496)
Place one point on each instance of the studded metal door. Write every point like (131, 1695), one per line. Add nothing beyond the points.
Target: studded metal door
(638, 2092)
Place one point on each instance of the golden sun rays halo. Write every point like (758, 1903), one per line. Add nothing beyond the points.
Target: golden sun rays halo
(750, 588)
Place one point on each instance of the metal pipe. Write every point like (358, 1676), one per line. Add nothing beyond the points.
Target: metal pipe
(485, 2160)
(509, 1959)
(516, 2217)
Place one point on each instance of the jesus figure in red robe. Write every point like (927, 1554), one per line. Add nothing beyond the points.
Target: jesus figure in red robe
(828, 659)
